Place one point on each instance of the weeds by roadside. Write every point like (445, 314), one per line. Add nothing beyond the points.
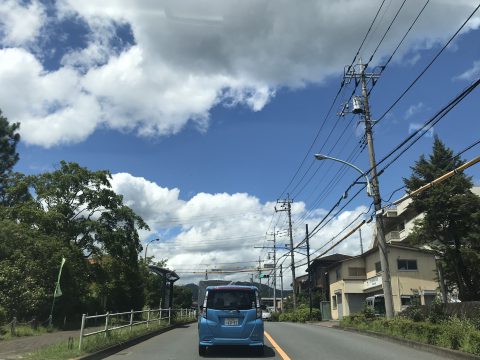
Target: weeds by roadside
(23, 330)
(452, 333)
(302, 314)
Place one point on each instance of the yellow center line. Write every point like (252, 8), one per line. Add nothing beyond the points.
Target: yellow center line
(280, 351)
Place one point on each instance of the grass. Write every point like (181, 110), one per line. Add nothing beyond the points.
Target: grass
(64, 350)
(23, 330)
(453, 333)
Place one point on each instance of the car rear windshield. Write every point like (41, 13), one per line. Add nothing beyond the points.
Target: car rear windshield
(231, 299)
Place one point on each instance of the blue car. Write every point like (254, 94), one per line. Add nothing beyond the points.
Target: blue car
(230, 315)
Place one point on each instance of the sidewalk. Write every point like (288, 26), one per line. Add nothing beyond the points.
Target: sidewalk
(13, 349)
(326, 323)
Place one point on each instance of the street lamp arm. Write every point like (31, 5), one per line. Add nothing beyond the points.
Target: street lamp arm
(324, 157)
(146, 248)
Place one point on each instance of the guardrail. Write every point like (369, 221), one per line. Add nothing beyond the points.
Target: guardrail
(121, 320)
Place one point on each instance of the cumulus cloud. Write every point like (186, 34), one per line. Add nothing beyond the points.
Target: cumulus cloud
(187, 57)
(414, 109)
(470, 74)
(20, 23)
(414, 127)
(219, 231)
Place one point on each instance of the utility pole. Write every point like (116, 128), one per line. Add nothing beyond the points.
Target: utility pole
(274, 234)
(309, 269)
(286, 205)
(274, 248)
(377, 200)
(281, 287)
(361, 241)
(259, 275)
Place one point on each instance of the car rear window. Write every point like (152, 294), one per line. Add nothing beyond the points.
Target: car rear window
(231, 299)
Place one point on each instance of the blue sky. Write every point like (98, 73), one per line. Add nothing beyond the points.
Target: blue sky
(204, 113)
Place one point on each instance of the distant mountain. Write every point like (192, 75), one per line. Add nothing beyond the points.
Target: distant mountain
(265, 291)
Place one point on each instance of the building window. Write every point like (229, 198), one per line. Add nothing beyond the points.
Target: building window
(406, 300)
(378, 267)
(337, 274)
(356, 271)
(407, 265)
(334, 301)
(401, 226)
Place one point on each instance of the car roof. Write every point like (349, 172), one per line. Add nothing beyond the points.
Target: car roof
(232, 287)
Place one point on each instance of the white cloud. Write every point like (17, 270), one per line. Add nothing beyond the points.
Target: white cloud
(209, 230)
(414, 126)
(20, 23)
(190, 56)
(414, 109)
(471, 74)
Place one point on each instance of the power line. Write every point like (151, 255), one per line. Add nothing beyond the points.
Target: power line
(427, 125)
(401, 42)
(331, 106)
(426, 68)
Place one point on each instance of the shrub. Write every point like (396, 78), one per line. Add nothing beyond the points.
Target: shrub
(454, 333)
(302, 314)
(275, 316)
(471, 343)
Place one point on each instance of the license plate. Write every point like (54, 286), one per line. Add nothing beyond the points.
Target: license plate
(231, 321)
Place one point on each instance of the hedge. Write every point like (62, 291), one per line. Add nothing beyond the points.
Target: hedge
(454, 333)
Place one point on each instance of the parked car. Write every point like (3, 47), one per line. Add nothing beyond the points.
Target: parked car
(266, 314)
(230, 315)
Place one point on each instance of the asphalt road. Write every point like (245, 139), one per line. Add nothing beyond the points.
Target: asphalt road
(293, 341)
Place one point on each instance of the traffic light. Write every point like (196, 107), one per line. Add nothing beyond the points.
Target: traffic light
(264, 276)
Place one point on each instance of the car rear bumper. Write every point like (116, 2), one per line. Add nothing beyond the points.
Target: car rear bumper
(228, 341)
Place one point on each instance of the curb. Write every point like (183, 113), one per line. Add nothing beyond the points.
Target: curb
(451, 354)
(101, 354)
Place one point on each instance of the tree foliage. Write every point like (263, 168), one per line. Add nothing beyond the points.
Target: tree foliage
(9, 137)
(71, 212)
(451, 224)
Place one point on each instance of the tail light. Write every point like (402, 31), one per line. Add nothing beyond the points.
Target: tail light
(259, 309)
(203, 309)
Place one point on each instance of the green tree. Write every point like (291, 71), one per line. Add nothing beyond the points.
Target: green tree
(451, 224)
(152, 283)
(70, 212)
(80, 207)
(28, 272)
(182, 297)
(9, 137)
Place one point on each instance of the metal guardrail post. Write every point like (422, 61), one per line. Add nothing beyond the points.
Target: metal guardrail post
(148, 317)
(131, 319)
(82, 330)
(107, 318)
(169, 316)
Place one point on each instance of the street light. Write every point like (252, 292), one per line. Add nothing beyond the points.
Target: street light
(386, 279)
(326, 157)
(146, 247)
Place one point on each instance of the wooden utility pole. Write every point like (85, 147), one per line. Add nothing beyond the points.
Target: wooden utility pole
(286, 205)
(309, 270)
(364, 110)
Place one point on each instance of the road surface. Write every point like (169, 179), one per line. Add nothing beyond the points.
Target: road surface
(292, 341)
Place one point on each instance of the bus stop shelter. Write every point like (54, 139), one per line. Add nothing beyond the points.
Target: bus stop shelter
(168, 276)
